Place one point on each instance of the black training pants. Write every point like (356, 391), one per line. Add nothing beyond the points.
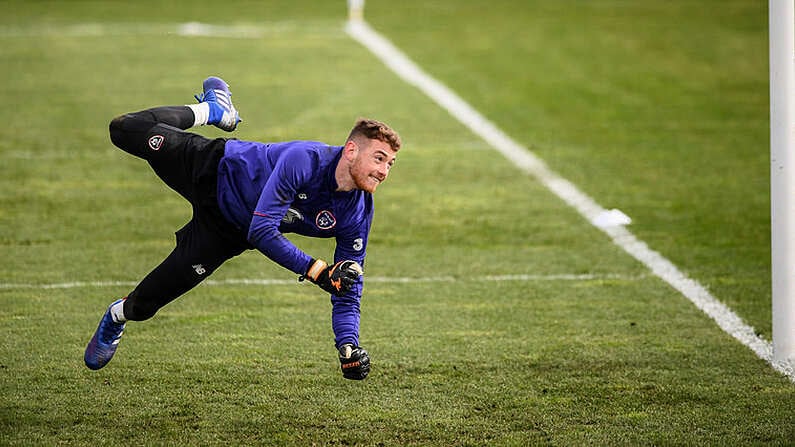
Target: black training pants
(188, 164)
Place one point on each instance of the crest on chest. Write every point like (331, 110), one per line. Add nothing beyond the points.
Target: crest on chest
(325, 220)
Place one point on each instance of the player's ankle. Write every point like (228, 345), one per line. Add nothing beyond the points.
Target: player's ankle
(201, 113)
(117, 312)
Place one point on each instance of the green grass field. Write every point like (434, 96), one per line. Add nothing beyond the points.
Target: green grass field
(658, 108)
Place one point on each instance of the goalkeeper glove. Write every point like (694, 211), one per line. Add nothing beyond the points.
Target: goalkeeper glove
(336, 279)
(354, 362)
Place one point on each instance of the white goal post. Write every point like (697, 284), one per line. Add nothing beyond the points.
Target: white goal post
(782, 175)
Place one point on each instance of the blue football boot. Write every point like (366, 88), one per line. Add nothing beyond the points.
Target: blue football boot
(223, 114)
(104, 342)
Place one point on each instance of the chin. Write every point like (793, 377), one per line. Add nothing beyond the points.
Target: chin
(367, 185)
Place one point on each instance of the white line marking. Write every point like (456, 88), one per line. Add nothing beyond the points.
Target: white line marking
(369, 279)
(190, 29)
(520, 156)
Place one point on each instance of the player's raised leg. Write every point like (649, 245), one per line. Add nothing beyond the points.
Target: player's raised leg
(135, 132)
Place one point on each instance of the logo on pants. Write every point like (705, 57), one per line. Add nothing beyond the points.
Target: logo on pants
(156, 141)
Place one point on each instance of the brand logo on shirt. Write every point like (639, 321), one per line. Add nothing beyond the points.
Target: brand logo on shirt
(325, 220)
(200, 270)
(302, 196)
(358, 244)
(155, 141)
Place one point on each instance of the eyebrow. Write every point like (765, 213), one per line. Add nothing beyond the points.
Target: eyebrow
(379, 151)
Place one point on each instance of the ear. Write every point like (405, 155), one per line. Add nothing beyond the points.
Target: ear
(350, 150)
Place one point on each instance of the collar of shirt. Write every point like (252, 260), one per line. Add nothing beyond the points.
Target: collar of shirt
(331, 178)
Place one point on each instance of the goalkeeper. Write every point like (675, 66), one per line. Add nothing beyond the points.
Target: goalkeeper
(246, 195)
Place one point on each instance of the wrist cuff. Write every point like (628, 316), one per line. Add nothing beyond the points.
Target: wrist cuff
(317, 267)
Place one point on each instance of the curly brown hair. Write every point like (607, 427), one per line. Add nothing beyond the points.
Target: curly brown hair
(375, 130)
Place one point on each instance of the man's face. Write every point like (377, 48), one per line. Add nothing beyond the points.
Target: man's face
(371, 166)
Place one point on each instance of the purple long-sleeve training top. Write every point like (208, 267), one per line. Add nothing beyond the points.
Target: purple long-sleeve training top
(268, 189)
